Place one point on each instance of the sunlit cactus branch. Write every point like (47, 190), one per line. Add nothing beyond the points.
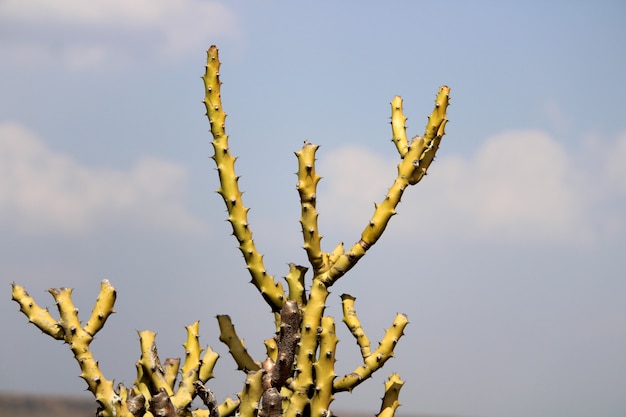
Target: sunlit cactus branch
(229, 188)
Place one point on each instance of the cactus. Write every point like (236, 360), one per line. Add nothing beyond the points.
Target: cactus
(297, 379)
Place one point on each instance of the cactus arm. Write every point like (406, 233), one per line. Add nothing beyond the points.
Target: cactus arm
(307, 189)
(390, 401)
(102, 309)
(142, 381)
(191, 367)
(324, 369)
(398, 127)
(68, 328)
(411, 170)
(38, 316)
(377, 359)
(271, 348)
(427, 146)
(295, 283)
(272, 292)
(351, 320)
(336, 253)
(251, 394)
(236, 347)
(79, 342)
(208, 364)
(152, 372)
(229, 407)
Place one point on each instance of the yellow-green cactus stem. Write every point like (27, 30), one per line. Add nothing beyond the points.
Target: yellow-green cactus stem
(427, 146)
(351, 320)
(398, 127)
(295, 284)
(142, 381)
(307, 189)
(153, 373)
(336, 253)
(413, 167)
(78, 340)
(236, 346)
(229, 407)
(324, 369)
(271, 348)
(390, 401)
(377, 359)
(38, 316)
(272, 292)
(251, 394)
(191, 366)
(209, 360)
(102, 309)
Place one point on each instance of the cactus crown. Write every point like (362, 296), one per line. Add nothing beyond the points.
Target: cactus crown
(297, 378)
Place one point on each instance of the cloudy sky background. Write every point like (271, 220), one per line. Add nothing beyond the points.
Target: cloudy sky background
(509, 258)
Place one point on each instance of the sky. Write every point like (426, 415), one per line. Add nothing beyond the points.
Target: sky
(508, 258)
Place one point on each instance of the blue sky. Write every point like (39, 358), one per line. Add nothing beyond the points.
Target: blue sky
(508, 258)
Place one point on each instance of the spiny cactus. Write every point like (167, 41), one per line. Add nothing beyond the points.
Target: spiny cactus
(297, 378)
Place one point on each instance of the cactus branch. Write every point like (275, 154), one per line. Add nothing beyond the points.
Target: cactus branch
(324, 369)
(68, 328)
(398, 127)
(272, 292)
(229, 407)
(251, 394)
(307, 189)
(295, 283)
(190, 372)
(390, 401)
(152, 372)
(377, 359)
(38, 316)
(411, 169)
(236, 347)
(351, 320)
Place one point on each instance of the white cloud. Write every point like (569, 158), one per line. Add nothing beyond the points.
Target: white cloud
(43, 192)
(83, 34)
(520, 186)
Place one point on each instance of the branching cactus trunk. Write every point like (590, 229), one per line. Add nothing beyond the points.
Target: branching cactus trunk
(297, 377)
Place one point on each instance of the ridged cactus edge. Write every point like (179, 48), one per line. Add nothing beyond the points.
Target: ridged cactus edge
(297, 378)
